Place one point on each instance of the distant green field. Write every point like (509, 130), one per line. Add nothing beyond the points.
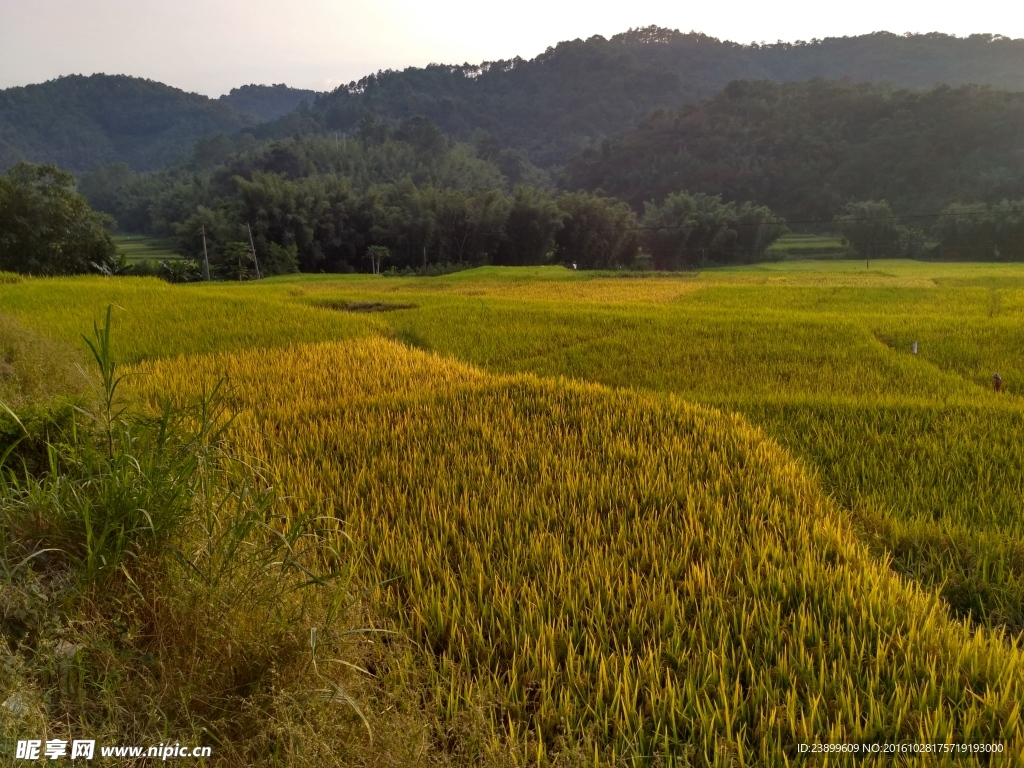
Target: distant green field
(806, 246)
(140, 248)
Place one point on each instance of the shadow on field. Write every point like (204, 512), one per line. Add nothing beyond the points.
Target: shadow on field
(367, 306)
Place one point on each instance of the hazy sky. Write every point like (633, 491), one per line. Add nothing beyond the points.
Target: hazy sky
(210, 46)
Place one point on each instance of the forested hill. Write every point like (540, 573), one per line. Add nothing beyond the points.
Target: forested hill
(267, 102)
(553, 104)
(548, 107)
(80, 122)
(805, 149)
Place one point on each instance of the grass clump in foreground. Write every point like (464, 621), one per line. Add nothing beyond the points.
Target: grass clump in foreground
(150, 592)
(606, 576)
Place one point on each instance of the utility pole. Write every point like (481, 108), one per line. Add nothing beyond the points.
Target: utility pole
(874, 239)
(253, 246)
(206, 256)
(424, 259)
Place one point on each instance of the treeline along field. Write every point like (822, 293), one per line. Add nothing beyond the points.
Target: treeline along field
(608, 569)
(707, 184)
(314, 204)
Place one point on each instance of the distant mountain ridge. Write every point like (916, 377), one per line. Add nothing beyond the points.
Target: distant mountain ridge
(580, 90)
(549, 107)
(80, 122)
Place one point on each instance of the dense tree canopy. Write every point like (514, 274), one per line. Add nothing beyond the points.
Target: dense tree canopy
(45, 227)
(320, 204)
(596, 232)
(982, 232)
(267, 102)
(580, 90)
(807, 149)
(81, 122)
(546, 108)
(697, 229)
(873, 232)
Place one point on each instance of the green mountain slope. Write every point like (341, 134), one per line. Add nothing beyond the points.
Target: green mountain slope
(807, 148)
(549, 107)
(555, 103)
(80, 122)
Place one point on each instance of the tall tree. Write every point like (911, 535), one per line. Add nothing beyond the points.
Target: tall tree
(697, 229)
(528, 236)
(874, 232)
(46, 228)
(596, 233)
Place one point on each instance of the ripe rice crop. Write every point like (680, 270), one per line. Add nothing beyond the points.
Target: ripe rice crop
(474, 482)
(613, 573)
(817, 354)
(161, 319)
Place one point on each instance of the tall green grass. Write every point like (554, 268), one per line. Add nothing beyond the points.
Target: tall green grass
(151, 591)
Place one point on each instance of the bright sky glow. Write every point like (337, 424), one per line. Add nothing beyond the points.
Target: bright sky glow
(210, 46)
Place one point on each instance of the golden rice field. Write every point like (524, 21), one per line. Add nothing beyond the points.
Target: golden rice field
(694, 519)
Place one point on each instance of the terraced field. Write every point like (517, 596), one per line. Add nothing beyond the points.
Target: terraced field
(140, 248)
